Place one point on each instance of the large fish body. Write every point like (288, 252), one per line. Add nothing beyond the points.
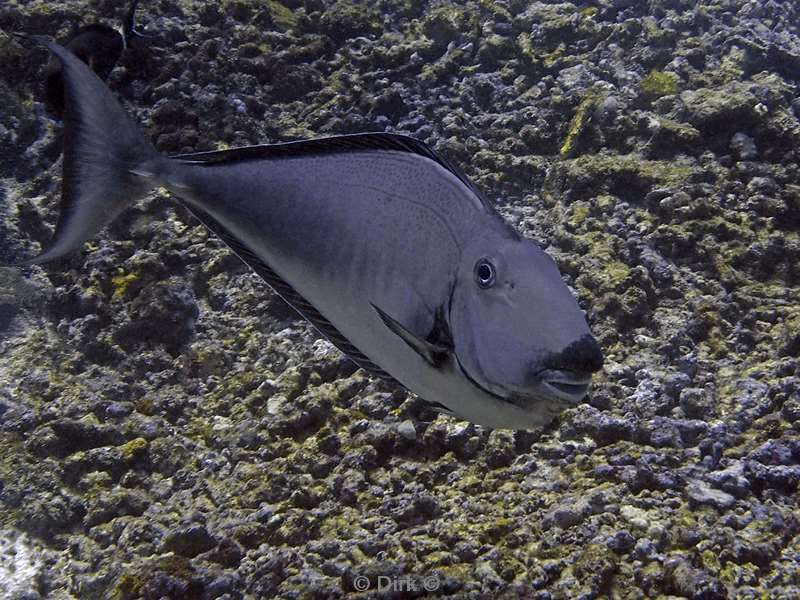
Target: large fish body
(386, 248)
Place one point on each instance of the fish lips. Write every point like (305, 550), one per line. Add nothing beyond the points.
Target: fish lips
(552, 389)
(568, 386)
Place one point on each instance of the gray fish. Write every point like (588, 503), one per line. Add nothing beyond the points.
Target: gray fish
(387, 249)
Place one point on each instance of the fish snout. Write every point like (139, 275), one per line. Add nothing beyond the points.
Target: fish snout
(581, 356)
(568, 374)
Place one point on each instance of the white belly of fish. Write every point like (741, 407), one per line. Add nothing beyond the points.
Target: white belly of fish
(355, 318)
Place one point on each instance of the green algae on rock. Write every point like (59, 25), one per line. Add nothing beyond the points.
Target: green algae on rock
(579, 121)
(659, 83)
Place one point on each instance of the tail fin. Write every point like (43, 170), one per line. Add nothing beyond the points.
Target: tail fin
(108, 163)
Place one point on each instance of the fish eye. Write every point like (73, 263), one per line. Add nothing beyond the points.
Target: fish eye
(484, 273)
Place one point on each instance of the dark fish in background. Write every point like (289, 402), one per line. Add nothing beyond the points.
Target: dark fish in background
(385, 247)
(99, 46)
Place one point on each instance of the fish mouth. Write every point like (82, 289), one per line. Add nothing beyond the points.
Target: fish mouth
(554, 390)
(568, 386)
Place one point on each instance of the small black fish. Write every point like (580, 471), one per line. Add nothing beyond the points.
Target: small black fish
(99, 46)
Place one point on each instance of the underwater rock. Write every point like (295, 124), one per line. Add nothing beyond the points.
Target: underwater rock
(744, 146)
(65, 436)
(702, 494)
(685, 580)
(165, 313)
(697, 403)
(407, 430)
(500, 450)
(189, 541)
(782, 478)
(713, 109)
(731, 480)
(578, 77)
(411, 509)
(20, 567)
(119, 410)
(602, 427)
(112, 505)
(49, 513)
(566, 516)
(346, 19)
(621, 542)
(791, 410)
(673, 219)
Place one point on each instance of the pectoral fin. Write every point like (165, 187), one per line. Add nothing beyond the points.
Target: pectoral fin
(435, 354)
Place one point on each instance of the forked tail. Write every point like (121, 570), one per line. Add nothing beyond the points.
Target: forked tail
(108, 163)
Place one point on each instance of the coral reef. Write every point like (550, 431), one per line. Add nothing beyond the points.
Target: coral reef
(170, 429)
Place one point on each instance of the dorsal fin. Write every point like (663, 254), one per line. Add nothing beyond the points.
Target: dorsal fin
(290, 295)
(356, 142)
